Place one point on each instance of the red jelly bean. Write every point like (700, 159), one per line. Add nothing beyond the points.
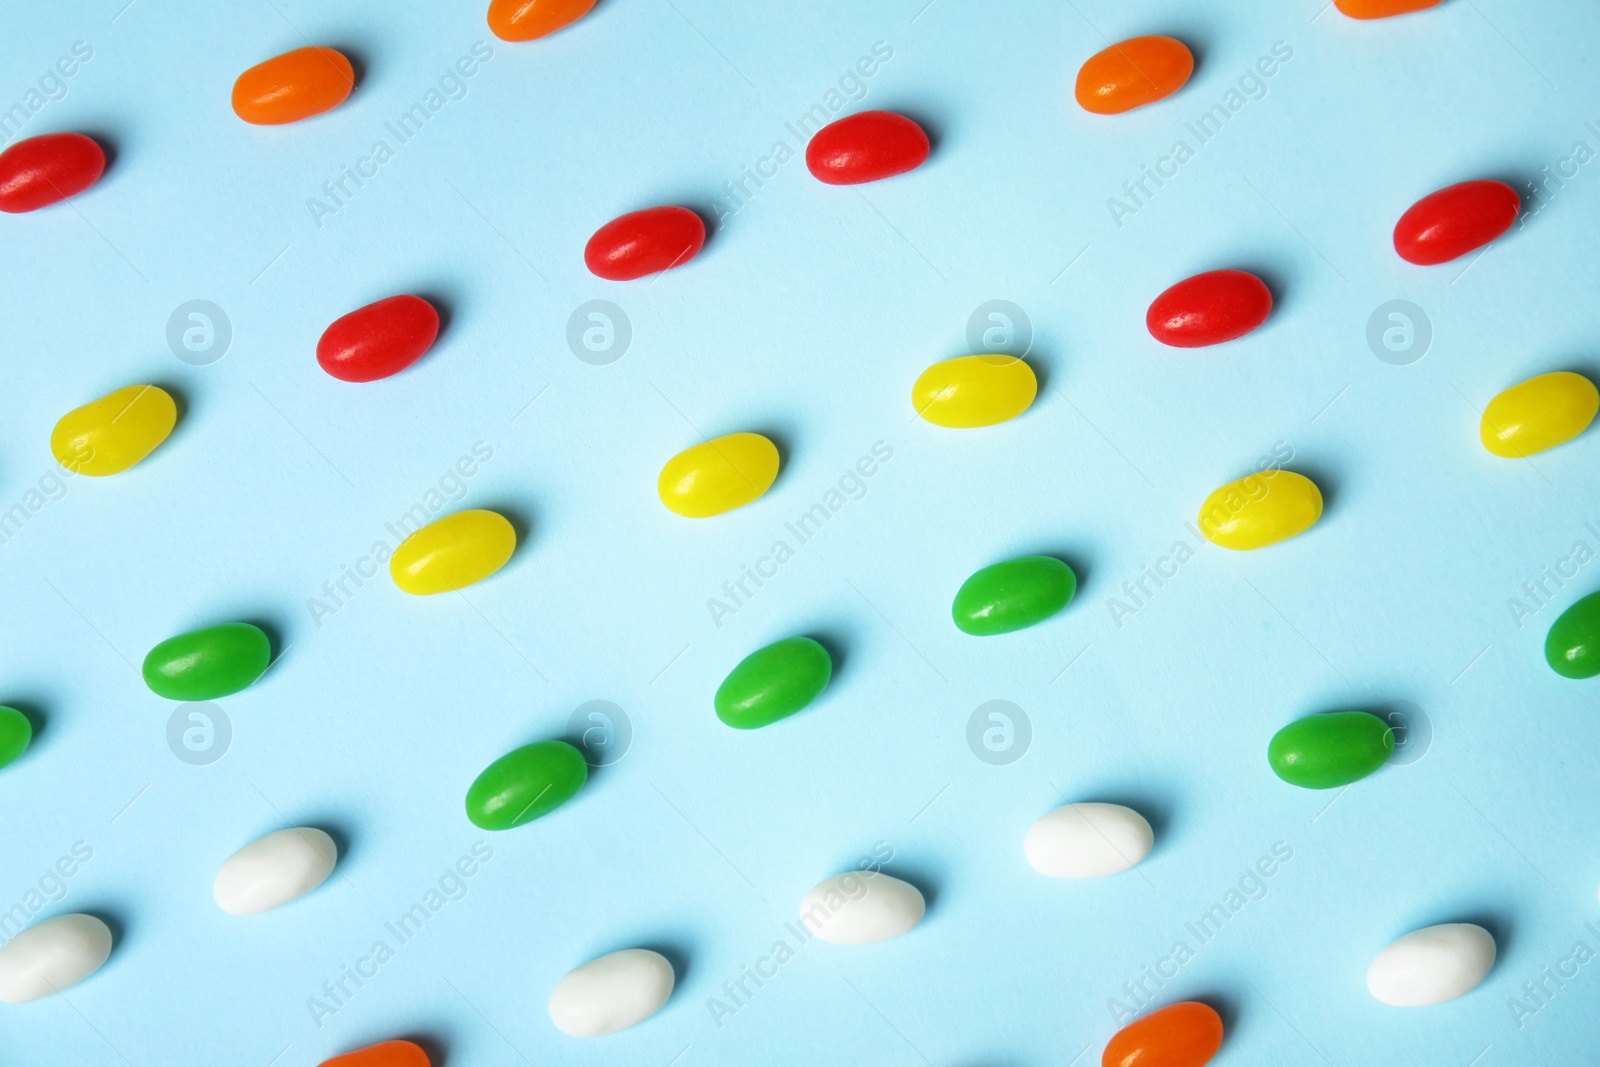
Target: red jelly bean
(1454, 221)
(383, 1054)
(1209, 309)
(866, 147)
(42, 170)
(378, 340)
(1186, 1034)
(644, 242)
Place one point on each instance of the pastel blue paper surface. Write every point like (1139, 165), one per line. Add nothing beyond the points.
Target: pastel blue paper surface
(807, 317)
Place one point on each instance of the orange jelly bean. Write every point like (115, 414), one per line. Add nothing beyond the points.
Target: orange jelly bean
(1132, 73)
(1186, 1034)
(384, 1054)
(1382, 9)
(293, 86)
(527, 20)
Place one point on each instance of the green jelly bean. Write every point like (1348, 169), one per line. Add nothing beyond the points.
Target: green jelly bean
(1329, 750)
(1572, 647)
(773, 683)
(207, 664)
(16, 733)
(526, 783)
(1013, 595)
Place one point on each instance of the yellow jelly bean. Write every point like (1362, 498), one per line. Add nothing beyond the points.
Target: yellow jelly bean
(115, 432)
(1540, 413)
(453, 552)
(1260, 510)
(718, 475)
(974, 391)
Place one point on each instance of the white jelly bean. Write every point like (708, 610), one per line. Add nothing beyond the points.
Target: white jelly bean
(861, 907)
(1088, 841)
(273, 870)
(611, 993)
(1432, 965)
(52, 955)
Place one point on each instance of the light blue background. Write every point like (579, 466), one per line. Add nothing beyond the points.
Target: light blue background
(808, 316)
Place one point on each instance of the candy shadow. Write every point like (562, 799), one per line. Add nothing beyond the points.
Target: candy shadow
(521, 520)
(928, 878)
(339, 831)
(834, 644)
(1277, 282)
(783, 438)
(180, 427)
(114, 918)
(431, 1042)
(678, 955)
(1158, 810)
(1327, 484)
(38, 722)
(936, 129)
(1499, 928)
(358, 63)
(1079, 569)
(445, 304)
(1225, 1006)
(108, 145)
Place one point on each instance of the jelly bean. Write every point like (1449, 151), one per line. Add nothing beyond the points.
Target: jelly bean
(773, 683)
(1186, 1034)
(293, 86)
(526, 783)
(1132, 73)
(453, 552)
(1382, 9)
(610, 994)
(1088, 841)
(271, 871)
(1432, 965)
(207, 664)
(1013, 595)
(1208, 309)
(718, 475)
(974, 391)
(1329, 750)
(1260, 509)
(16, 734)
(44, 170)
(1572, 647)
(1456, 220)
(383, 1054)
(526, 20)
(861, 908)
(644, 242)
(866, 147)
(51, 956)
(113, 433)
(1539, 413)
(378, 340)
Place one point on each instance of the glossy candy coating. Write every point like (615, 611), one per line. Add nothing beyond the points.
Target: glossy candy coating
(644, 242)
(1013, 595)
(1209, 308)
(44, 170)
(383, 1054)
(527, 20)
(1186, 1034)
(453, 552)
(1432, 965)
(1260, 510)
(773, 683)
(1132, 73)
(1539, 413)
(113, 433)
(16, 734)
(52, 955)
(526, 783)
(1454, 221)
(208, 664)
(1089, 840)
(273, 870)
(1382, 9)
(380, 339)
(718, 475)
(1330, 750)
(866, 147)
(1572, 647)
(974, 391)
(293, 86)
(611, 994)
(861, 908)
